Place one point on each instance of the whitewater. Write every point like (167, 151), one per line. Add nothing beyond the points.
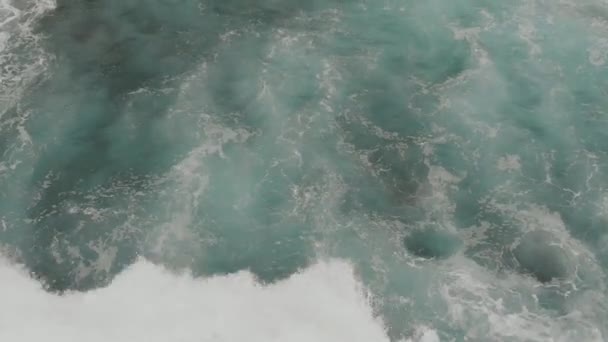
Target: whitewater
(279, 170)
(149, 304)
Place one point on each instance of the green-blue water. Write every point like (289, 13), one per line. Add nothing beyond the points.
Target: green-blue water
(456, 152)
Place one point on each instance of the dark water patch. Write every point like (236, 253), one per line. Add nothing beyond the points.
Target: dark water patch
(432, 243)
(538, 256)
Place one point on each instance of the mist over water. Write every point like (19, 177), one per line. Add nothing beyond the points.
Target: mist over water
(451, 154)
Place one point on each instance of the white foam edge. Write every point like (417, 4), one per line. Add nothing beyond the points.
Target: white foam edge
(324, 302)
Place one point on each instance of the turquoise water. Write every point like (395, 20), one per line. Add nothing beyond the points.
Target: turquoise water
(455, 152)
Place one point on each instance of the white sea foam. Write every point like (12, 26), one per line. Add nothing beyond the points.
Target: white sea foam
(16, 22)
(424, 334)
(21, 57)
(484, 306)
(148, 303)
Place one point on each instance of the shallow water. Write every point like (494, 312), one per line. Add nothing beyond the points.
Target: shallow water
(453, 155)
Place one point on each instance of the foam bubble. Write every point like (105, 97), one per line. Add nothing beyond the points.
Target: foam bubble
(148, 303)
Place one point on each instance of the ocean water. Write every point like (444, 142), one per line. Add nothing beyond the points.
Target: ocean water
(283, 170)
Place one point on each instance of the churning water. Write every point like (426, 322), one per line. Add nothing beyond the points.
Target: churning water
(287, 170)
